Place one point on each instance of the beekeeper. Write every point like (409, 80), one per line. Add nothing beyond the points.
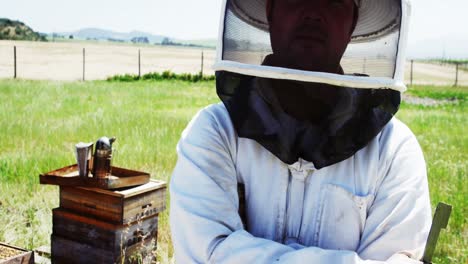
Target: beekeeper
(303, 161)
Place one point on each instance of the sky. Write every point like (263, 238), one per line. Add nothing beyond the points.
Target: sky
(437, 26)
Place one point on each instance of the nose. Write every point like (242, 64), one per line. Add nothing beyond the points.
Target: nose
(312, 11)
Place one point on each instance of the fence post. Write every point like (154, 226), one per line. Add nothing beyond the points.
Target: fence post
(201, 70)
(139, 64)
(84, 61)
(456, 74)
(411, 78)
(14, 59)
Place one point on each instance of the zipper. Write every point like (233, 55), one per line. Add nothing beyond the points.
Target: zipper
(298, 175)
(286, 214)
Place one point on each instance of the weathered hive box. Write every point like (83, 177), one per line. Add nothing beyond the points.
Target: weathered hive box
(14, 255)
(104, 226)
(120, 207)
(70, 252)
(79, 239)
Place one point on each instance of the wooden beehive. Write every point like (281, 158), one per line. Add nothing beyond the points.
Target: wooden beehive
(120, 206)
(103, 226)
(68, 251)
(79, 239)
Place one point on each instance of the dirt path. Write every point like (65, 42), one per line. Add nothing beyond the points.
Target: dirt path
(425, 101)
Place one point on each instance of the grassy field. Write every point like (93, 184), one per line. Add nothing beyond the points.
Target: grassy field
(40, 121)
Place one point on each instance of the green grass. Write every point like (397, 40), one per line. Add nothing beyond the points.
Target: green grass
(40, 121)
(439, 92)
(441, 131)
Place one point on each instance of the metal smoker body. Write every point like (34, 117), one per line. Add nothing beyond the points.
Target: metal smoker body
(102, 157)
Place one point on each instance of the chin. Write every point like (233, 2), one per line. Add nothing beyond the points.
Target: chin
(310, 61)
(308, 66)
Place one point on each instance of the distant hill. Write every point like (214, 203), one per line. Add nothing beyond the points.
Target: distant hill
(108, 35)
(209, 43)
(133, 37)
(17, 30)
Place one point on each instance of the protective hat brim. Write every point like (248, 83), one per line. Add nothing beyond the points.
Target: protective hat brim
(377, 18)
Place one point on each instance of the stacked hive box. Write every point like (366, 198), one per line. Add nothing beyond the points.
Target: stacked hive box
(102, 226)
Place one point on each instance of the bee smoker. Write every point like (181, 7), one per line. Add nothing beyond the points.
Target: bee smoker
(102, 157)
(83, 152)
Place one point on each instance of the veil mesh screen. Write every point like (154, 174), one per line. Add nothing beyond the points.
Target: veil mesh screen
(247, 44)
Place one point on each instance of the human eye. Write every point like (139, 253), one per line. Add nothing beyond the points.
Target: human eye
(337, 2)
(292, 2)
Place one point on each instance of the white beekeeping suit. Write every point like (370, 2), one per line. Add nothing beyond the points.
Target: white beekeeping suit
(298, 165)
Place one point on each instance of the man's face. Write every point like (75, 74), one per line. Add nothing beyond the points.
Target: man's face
(310, 34)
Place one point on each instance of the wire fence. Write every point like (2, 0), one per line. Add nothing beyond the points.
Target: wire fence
(96, 61)
(85, 61)
(436, 73)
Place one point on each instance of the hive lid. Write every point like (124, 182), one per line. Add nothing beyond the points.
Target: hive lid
(119, 178)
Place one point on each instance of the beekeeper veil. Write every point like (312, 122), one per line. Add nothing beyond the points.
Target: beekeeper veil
(293, 83)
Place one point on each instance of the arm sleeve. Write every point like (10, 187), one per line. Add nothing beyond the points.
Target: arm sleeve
(400, 216)
(204, 219)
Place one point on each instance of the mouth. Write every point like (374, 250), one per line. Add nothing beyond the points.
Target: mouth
(310, 41)
(310, 34)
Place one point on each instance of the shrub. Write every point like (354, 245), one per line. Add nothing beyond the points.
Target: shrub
(165, 75)
(123, 78)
